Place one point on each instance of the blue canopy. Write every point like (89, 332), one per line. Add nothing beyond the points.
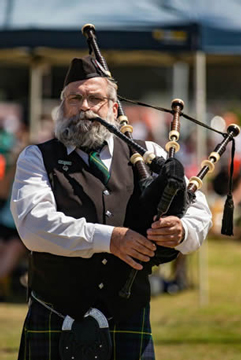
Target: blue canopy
(173, 25)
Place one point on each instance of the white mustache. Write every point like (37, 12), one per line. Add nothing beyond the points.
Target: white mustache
(87, 115)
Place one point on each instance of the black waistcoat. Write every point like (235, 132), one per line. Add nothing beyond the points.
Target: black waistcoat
(74, 284)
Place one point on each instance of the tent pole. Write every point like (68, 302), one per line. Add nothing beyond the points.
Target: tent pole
(180, 81)
(200, 101)
(35, 101)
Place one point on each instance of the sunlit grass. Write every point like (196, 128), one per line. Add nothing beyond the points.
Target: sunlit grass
(184, 328)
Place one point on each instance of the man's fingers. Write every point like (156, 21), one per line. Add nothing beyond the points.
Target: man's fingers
(128, 245)
(144, 245)
(144, 250)
(166, 229)
(162, 237)
(170, 244)
(165, 222)
(139, 256)
(130, 261)
(159, 232)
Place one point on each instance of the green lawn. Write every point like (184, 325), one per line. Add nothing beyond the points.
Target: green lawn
(182, 327)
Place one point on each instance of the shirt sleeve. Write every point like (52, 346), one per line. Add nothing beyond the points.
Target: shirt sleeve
(198, 218)
(41, 227)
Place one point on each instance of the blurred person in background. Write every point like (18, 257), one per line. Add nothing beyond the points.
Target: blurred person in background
(140, 120)
(12, 250)
(72, 218)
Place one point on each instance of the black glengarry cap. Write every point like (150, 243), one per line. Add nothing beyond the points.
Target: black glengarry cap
(85, 68)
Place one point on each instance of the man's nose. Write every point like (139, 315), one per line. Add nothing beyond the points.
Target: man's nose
(84, 104)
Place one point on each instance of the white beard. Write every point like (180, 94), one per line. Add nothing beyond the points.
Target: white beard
(78, 131)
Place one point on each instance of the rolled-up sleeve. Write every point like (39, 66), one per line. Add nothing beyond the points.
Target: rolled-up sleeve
(41, 227)
(196, 222)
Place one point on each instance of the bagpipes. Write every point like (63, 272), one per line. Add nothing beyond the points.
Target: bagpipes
(167, 193)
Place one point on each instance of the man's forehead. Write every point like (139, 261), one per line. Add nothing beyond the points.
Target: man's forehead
(96, 83)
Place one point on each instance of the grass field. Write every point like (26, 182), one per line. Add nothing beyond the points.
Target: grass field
(182, 327)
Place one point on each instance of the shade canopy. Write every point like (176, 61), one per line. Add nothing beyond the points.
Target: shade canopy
(168, 25)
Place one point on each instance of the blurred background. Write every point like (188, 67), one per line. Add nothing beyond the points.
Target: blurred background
(157, 51)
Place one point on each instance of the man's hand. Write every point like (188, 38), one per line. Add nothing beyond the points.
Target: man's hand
(129, 245)
(168, 231)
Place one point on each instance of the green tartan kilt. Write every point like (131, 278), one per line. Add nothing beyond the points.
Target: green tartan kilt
(131, 339)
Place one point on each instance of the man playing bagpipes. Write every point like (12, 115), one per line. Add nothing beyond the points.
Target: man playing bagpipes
(73, 200)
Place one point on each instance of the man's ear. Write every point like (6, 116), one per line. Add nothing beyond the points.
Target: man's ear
(115, 109)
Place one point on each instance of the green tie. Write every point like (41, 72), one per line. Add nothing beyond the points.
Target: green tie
(98, 167)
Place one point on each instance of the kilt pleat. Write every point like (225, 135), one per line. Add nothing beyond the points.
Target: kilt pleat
(132, 339)
(40, 335)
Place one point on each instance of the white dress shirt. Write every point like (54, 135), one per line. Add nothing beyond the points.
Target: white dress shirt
(44, 229)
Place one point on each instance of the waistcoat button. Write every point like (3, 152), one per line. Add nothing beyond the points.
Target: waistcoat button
(108, 213)
(101, 285)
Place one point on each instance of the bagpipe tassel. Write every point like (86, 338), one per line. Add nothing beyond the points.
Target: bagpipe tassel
(227, 222)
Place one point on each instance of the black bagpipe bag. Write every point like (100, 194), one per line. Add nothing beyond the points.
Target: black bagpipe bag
(168, 186)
